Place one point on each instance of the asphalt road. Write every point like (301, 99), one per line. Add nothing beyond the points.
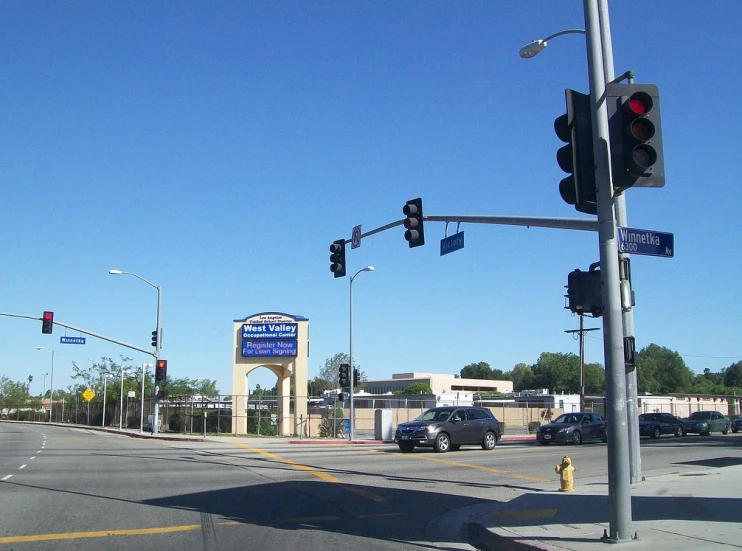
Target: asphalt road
(65, 488)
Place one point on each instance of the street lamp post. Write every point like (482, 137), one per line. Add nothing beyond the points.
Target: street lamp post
(106, 374)
(351, 436)
(141, 398)
(121, 398)
(51, 383)
(615, 326)
(158, 288)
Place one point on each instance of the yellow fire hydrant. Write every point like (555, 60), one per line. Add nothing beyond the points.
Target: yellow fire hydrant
(566, 474)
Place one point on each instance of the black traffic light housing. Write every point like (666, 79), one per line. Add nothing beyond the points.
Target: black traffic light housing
(160, 370)
(584, 293)
(355, 377)
(337, 258)
(161, 394)
(344, 376)
(154, 338)
(635, 132)
(47, 323)
(415, 234)
(577, 158)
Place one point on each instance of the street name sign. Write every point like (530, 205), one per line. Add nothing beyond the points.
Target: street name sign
(452, 243)
(72, 340)
(647, 242)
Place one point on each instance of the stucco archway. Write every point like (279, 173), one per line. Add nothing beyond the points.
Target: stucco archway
(279, 342)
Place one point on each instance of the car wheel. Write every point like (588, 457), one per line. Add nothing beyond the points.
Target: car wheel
(489, 441)
(679, 431)
(455, 447)
(577, 438)
(656, 432)
(442, 443)
(734, 430)
(604, 438)
(406, 447)
(726, 429)
(707, 433)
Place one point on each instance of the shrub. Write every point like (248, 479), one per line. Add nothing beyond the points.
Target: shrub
(533, 426)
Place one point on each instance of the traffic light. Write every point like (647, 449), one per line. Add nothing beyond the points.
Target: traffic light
(341, 397)
(584, 293)
(575, 128)
(154, 338)
(337, 258)
(415, 234)
(344, 376)
(161, 370)
(635, 134)
(161, 394)
(355, 377)
(47, 323)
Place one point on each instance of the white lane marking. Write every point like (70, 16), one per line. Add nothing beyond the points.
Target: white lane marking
(33, 457)
(22, 467)
(6, 477)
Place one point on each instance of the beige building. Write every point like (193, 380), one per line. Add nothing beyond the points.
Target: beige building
(439, 383)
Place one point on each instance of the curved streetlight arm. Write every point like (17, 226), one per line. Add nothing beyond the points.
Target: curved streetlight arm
(119, 272)
(537, 46)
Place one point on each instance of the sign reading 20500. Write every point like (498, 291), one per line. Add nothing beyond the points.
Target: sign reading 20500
(270, 330)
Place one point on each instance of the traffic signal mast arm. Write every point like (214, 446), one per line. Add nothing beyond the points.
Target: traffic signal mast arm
(109, 339)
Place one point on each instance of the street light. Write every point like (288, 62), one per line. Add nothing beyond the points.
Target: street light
(611, 212)
(106, 374)
(537, 46)
(352, 366)
(141, 398)
(158, 343)
(121, 398)
(51, 383)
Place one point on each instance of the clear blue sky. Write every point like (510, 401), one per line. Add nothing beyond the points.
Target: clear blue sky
(218, 148)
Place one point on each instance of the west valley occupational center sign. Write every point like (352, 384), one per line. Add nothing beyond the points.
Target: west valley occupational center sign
(269, 339)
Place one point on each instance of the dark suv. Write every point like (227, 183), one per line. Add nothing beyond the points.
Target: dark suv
(447, 428)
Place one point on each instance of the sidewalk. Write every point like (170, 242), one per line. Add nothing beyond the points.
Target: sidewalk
(699, 509)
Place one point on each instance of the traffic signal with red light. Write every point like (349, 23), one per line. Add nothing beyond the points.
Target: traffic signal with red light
(161, 394)
(161, 370)
(415, 234)
(344, 376)
(47, 323)
(337, 258)
(575, 128)
(635, 133)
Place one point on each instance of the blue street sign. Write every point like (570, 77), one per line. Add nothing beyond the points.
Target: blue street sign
(452, 243)
(648, 242)
(72, 340)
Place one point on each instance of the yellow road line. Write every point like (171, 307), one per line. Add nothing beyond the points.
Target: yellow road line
(106, 533)
(319, 474)
(477, 467)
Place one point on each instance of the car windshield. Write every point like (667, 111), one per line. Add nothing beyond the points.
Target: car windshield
(568, 418)
(698, 415)
(435, 415)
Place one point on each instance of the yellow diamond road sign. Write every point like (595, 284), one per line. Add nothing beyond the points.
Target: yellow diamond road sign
(88, 394)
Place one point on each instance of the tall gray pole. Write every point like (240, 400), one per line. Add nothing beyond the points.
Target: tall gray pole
(121, 400)
(632, 398)
(156, 413)
(51, 388)
(141, 398)
(619, 485)
(105, 380)
(351, 435)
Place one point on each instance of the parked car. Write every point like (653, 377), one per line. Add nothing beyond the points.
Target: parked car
(655, 425)
(706, 422)
(448, 428)
(737, 424)
(574, 428)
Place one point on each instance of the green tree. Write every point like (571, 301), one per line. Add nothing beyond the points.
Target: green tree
(594, 379)
(732, 375)
(479, 370)
(522, 377)
(328, 376)
(415, 388)
(558, 372)
(12, 394)
(663, 371)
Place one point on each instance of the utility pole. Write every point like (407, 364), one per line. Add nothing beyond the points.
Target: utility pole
(582, 332)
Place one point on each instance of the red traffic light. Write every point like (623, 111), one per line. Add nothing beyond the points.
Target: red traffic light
(47, 323)
(161, 370)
